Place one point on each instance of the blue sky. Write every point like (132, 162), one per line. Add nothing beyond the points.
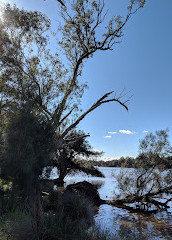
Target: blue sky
(142, 64)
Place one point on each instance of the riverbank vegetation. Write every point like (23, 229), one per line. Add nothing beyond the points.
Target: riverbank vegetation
(149, 183)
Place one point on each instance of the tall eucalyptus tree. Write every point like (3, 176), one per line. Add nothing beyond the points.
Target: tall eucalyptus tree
(32, 71)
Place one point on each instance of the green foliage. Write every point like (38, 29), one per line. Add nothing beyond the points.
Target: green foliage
(79, 146)
(72, 216)
(29, 148)
(5, 185)
(154, 150)
(74, 206)
(78, 207)
(87, 167)
(151, 175)
(17, 225)
(21, 32)
(74, 156)
(29, 69)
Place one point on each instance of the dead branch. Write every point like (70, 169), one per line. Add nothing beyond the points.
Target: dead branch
(94, 106)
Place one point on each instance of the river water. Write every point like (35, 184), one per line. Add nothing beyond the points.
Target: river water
(121, 221)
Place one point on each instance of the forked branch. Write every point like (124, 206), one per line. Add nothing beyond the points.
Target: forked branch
(81, 39)
(100, 101)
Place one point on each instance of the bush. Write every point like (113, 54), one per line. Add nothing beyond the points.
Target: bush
(78, 207)
(8, 202)
(17, 225)
(71, 216)
(29, 145)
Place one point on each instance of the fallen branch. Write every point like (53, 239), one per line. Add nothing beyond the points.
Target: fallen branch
(144, 200)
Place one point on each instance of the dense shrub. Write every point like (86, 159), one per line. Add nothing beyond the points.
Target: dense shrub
(71, 216)
(29, 146)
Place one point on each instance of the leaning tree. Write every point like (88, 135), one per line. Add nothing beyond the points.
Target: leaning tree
(32, 71)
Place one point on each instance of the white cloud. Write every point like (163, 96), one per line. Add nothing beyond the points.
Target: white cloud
(112, 132)
(127, 132)
(145, 131)
(108, 136)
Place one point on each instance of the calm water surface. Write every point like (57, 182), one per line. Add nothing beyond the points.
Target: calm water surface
(138, 225)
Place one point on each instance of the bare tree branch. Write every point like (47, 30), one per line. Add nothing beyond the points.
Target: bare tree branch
(62, 3)
(65, 117)
(94, 106)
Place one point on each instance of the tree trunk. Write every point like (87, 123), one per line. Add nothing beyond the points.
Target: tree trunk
(63, 172)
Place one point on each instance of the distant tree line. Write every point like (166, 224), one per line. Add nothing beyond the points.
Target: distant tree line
(128, 162)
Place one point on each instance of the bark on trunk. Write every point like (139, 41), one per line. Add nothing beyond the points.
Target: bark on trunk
(63, 172)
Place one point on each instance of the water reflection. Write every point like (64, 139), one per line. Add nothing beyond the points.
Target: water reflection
(133, 225)
(147, 226)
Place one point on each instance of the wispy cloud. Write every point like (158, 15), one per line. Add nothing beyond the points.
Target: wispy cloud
(127, 132)
(108, 136)
(112, 132)
(145, 131)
